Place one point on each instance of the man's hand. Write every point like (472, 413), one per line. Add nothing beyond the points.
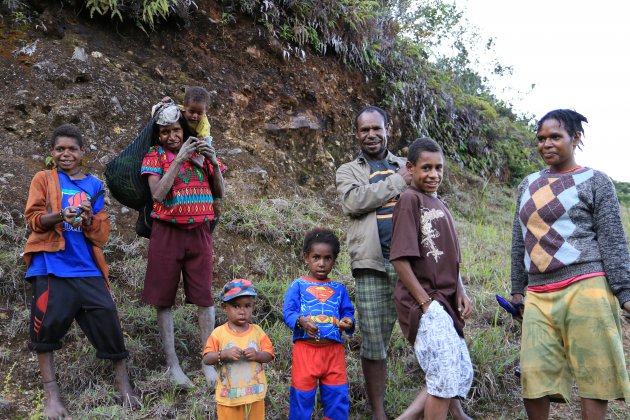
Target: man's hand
(626, 306)
(345, 324)
(405, 174)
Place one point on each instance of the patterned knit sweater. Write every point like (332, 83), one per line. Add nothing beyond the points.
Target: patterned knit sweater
(567, 225)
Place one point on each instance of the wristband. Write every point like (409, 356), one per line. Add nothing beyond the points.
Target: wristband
(61, 214)
(426, 302)
(219, 359)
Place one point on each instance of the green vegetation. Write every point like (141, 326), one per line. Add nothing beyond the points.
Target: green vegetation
(623, 191)
(393, 44)
(261, 240)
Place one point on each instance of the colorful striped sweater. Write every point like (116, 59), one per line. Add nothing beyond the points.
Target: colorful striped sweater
(567, 225)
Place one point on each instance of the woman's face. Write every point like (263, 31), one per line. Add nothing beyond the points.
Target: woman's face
(556, 146)
(171, 136)
(67, 154)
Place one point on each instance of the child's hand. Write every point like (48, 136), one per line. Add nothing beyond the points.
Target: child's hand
(464, 305)
(71, 215)
(345, 324)
(232, 354)
(309, 326)
(250, 354)
(84, 213)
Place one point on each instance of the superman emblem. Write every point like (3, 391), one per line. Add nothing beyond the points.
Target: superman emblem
(321, 293)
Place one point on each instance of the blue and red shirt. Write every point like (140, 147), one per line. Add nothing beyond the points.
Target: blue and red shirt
(325, 302)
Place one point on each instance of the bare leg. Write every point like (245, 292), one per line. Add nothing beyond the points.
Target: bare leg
(593, 409)
(416, 408)
(167, 334)
(456, 410)
(53, 407)
(375, 372)
(123, 386)
(537, 409)
(206, 325)
(436, 408)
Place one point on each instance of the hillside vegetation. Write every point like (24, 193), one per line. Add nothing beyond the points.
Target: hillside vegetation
(286, 78)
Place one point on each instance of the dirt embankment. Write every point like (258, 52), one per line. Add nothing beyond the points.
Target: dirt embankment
(282, 124)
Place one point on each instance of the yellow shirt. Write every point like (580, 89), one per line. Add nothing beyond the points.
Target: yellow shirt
(202, 127)
(241, 382)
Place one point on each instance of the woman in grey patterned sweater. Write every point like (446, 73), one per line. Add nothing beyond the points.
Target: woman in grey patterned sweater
(570, 258)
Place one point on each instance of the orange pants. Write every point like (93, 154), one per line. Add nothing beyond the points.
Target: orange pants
(253, 411)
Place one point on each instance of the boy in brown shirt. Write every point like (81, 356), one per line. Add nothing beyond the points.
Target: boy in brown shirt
(431, 302)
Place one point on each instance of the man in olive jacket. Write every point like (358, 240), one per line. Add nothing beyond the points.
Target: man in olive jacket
(368, 188)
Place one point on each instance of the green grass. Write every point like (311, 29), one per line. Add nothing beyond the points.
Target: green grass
(272, 262)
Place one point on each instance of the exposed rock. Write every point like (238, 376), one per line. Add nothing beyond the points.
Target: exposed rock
(116, 104)
(296, 122)
(79, 54)
(240, 99)
(260, 173)
(5, 406)
(230, 152)
(27, 50)
(280, 203)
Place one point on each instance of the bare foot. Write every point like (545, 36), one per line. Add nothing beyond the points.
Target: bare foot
(129, 397)
(457, 411)
(179, 378)
(131, 401)
(211, 375)
(53, 407)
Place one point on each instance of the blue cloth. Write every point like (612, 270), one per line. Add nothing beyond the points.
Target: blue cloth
(379, 170)
(325, 300)
(334, 398)
(76, 259)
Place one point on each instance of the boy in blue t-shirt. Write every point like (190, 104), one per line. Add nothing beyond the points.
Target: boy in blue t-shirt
(318, 310)
(66, 267)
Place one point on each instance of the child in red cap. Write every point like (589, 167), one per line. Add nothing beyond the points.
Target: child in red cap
(239, 349)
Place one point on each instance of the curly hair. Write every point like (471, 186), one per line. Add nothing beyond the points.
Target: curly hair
(321, 236)
(422, 144)
(569, 119)
(66, 130)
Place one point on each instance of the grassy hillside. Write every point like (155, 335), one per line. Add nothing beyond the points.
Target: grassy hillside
(255, 229)
(250, 54)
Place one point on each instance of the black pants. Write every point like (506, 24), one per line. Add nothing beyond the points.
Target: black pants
(58, 301)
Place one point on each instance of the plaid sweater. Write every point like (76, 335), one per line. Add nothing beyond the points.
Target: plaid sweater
(567, 225)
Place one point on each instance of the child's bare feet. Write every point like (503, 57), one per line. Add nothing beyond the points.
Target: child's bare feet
(53, 407)
(121, 382)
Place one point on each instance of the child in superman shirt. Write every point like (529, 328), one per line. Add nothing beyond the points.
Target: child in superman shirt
(318, 310)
